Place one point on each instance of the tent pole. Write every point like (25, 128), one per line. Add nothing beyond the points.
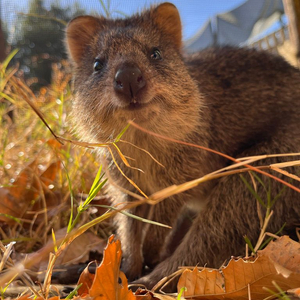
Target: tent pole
(292, 11)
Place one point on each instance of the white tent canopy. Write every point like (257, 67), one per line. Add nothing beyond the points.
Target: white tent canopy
(238, 25)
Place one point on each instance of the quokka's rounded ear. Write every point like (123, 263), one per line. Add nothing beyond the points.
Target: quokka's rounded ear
(167, 17)
(79, 33)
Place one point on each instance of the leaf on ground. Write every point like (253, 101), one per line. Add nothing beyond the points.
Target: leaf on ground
(142, 294)
(285, 252)
(86, 280)
(48, 176)
(106, 281)
(14, 198)
(29, 297)
(27, 187)
(77, 252)
(54, 144)
(279, 262)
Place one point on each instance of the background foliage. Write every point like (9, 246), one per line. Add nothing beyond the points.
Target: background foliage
(41, 42)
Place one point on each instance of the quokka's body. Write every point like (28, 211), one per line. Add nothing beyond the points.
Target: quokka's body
(237, 101)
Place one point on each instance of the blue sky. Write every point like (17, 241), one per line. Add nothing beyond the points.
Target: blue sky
(193, 13)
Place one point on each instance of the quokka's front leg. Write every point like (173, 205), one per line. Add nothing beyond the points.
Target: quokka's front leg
(216, 233)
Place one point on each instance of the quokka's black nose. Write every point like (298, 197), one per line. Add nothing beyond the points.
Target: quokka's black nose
(129, 81)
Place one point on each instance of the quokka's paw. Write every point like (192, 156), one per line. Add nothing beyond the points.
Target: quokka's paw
(162, 270)
(132, 270)
(148, 283)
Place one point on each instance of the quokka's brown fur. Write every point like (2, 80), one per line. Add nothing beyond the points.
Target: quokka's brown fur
(238, 101)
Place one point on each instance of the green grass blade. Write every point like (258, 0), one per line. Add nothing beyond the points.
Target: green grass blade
(97, 179)
(257, 197)
(183, 289)
(95, 192)
(71, 198)
(74, 292)
(259, 180)
(11, 217)
(3, 95)
(119, 136)
(247, 240)
(281, 291)
(278, 195)
(7, 61)
(126, 213)
(106, 11)
(54, 240)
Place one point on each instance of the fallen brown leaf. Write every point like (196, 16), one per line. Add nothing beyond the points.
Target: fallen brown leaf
(86, 280)
(78, 251)
(279, 262)
(75, 253)
(106, 281)
(285, 252)
(16, 199)
(142, 294)
(29, 297)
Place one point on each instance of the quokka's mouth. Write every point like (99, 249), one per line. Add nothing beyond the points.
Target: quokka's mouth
(136, 106)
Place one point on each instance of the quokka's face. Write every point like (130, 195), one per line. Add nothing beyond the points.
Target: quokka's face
(127, 69)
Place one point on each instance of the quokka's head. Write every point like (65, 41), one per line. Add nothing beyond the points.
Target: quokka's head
(130, 69)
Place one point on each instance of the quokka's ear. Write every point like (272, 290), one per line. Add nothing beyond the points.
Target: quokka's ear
(167, 17)
(79, 33)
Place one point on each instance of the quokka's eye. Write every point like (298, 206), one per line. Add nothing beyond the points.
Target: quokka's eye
(98, 65)
(156, 54)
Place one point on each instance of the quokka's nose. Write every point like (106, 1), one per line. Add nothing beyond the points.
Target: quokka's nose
(129, 81)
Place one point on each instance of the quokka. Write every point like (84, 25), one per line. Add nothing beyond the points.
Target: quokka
(240, 102)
